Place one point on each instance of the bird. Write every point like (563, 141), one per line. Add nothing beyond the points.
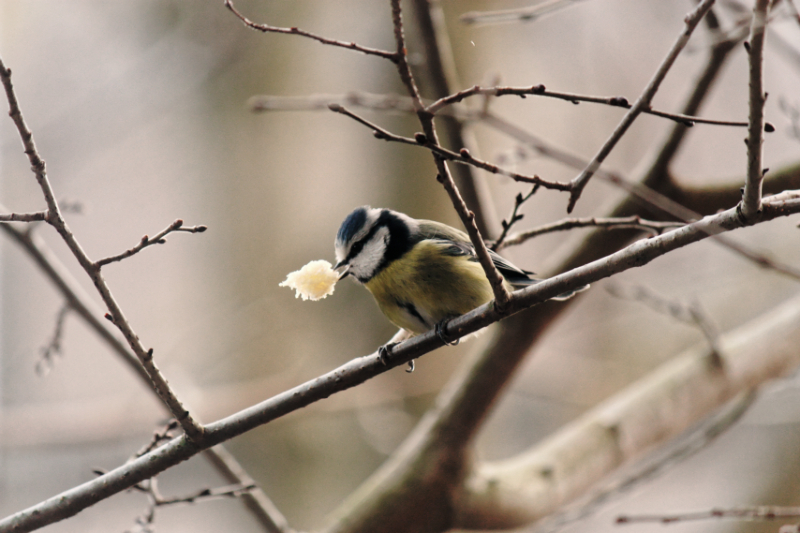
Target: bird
(421, 273)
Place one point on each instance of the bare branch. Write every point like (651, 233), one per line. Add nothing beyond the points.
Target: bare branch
(540, 90)
(256, 500)
(631, 222)
(761, 512)
(521, 14)
(691, 313)
(515, 216)
(463, 156)
(643, 102)
(147, 241)
(38, 216)
(363, 368)
(391, 56)
(53, 348)
(56, 220)
(751, 200)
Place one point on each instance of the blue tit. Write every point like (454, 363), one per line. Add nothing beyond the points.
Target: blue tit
(421, 273)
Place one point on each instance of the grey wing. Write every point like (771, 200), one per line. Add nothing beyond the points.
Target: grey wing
(461, 245)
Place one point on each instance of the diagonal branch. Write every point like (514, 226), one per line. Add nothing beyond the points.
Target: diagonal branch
(643, 102)
(148, 241)
(501, 294)
(56, 219)
(360, 369)
(78, 301)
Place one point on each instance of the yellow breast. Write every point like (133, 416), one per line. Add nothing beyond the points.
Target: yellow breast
(426, 286)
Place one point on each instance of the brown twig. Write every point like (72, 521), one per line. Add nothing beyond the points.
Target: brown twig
(643, 102)
(440, 152)
(391, 56)
(514, 217)
(156, 500)
(541, 90)
(148, 241)
(632, 222)
(55, 218)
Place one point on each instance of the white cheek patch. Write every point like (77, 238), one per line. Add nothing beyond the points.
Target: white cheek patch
(366, 262)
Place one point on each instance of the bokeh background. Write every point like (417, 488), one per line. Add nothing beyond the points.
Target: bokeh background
(140, 110)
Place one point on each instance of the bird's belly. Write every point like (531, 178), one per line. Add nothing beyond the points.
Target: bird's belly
(426, 288)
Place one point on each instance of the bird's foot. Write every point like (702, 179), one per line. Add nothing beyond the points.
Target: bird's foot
(385, 351)
(439, 329)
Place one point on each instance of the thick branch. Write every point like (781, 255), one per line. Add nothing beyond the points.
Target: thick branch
(360, 369)
(659, 407)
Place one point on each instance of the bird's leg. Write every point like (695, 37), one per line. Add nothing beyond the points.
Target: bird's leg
(439, 329)
(384, 352)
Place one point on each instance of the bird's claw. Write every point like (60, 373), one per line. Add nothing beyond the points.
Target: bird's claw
(384, 352)
(439, 329)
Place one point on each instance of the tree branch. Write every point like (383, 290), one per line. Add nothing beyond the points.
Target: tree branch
(55, 219)
(659, 407)
(391, 56)
(643, 102)
(751, 200)
(147, 241)
(363, 368)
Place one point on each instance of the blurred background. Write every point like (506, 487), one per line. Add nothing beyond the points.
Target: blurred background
(140, 111)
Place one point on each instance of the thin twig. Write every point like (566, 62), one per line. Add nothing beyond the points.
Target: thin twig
(38, 216)
(256, 500)
(643, 102)
(632, 222)
(760, 512)
(53, 348)
(148, 241)
(361, 369)
(391, 56)
(541, 90)
(691, 313)
(55, 218)
(463, 156)
(515, 217)
(639, 191)
(751, 199)
(156, 500)
(521, 14)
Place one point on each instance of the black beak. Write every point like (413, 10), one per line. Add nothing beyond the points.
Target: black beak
(344, 272)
